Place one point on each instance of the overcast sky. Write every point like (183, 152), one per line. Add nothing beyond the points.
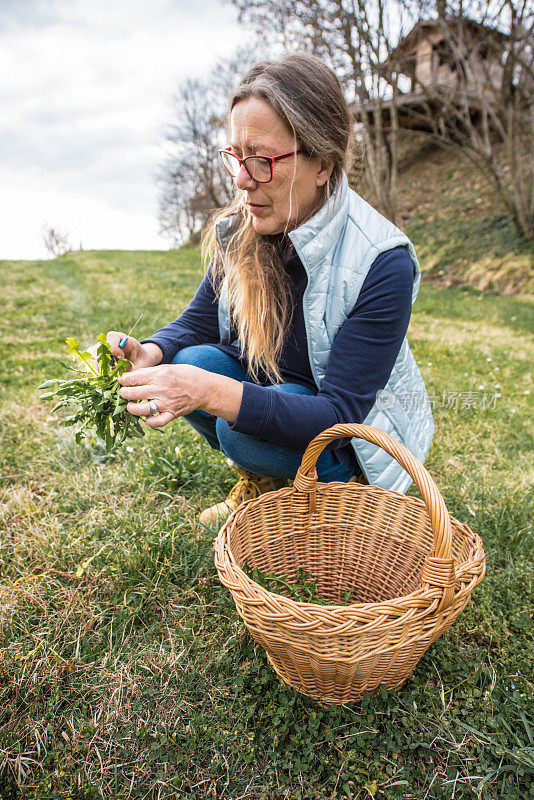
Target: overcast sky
(85, 96)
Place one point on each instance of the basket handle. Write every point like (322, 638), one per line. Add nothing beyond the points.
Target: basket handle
(438, 569)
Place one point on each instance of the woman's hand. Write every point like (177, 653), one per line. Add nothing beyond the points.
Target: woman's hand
(179, 389)
(140, 355)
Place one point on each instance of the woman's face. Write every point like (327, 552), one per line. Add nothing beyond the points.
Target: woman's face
(295, 191)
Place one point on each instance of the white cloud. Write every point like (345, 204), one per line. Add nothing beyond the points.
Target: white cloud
(84, 110)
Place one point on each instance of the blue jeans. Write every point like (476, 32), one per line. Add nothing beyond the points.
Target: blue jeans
(255, 455)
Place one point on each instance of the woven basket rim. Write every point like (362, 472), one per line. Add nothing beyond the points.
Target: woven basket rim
(377, 606)
(381, 610)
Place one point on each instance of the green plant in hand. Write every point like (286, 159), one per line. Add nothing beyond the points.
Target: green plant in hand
(303, 590)
(94, 394)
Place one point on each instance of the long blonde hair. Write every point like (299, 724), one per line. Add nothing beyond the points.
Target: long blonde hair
(308, 97)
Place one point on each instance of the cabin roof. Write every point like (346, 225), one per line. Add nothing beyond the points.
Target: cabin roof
(423, 27)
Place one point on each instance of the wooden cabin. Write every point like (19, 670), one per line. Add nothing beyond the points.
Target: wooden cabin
(441, 59)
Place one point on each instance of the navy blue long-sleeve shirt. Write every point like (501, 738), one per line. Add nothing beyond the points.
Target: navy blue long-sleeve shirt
(360, 363)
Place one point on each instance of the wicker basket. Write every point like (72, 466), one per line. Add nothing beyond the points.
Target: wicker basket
(411, 569)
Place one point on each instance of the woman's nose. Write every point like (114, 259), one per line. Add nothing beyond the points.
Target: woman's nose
(243, 180)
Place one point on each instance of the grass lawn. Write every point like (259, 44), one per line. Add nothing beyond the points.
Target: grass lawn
(125, 671)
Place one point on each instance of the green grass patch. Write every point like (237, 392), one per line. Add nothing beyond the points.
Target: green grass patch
(488, 253)
(464, 233)
(125, 671)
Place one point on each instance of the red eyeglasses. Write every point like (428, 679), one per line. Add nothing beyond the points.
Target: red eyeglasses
(260, 168)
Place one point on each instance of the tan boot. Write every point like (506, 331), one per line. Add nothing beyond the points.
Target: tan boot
(247, 488)
(359, 479)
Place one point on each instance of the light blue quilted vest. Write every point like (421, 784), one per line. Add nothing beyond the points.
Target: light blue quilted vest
(337, 248)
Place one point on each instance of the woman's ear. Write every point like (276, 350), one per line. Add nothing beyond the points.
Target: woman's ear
(326, 165)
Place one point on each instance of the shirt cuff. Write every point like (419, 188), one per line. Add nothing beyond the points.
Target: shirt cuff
(254, 412)
(168, 350)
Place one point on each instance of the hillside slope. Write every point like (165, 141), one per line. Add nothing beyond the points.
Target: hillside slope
(462, 232)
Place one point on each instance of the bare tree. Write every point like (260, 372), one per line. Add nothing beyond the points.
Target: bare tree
(193, 181)
(486, 115)
(184, 202)
(56, 241)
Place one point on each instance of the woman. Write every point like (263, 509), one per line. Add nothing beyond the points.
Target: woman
(301, 318)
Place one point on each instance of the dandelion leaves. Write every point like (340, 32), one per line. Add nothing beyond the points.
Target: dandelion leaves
(303, 589)
(93, 397)
(83, 358)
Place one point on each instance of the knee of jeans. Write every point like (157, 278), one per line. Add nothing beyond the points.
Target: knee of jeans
(293, 388)
(190, 355)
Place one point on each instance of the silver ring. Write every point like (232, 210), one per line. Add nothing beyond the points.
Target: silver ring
(153, 406)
